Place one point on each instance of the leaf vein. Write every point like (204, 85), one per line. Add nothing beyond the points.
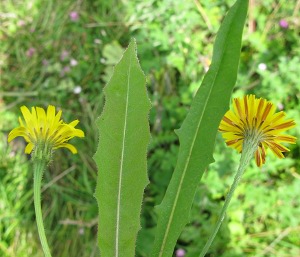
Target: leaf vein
(122, 163)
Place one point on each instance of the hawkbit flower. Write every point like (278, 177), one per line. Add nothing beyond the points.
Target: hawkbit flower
(45, 131)
(255, 121)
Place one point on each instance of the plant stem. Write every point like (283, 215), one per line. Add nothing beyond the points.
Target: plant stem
(39, 167)
(249, 147)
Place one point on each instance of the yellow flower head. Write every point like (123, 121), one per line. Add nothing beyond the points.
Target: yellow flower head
(45, 132)
(256, 118)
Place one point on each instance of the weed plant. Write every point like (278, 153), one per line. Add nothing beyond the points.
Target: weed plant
(62, 52)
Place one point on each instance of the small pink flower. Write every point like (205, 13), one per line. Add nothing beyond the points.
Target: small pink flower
(65, 70)
(81, 231)
(280, 106)
(180, 253)
(64, 55)
(74, 16)
(21, 23)
(30, 52)
(45, 62)
(283, 24)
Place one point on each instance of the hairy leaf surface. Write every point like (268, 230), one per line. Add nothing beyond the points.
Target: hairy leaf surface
(121, 157)
(198, 131)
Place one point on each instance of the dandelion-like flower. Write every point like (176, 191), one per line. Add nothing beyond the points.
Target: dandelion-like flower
(257, 119)
(45, 131)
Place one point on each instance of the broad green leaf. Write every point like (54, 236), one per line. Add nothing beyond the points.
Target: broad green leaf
(198, 131)
(121, 157)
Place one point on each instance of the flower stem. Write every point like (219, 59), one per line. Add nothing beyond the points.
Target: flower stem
(249, 147)
(39, 167)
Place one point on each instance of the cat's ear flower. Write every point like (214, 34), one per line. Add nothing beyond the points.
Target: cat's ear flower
(45, 131)
(257, 119)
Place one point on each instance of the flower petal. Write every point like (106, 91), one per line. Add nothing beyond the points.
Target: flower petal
(29, 148)
(68, 146)
(17, 132)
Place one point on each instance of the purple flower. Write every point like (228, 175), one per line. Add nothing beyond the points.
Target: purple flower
(65, 70)
(64, 55)
(283, 24)
(45, 62)
(180, 253)
(21, 23)
(74, 16)
(30, 52)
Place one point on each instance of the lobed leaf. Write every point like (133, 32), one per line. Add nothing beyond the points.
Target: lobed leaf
(121, 157)
(198, 131)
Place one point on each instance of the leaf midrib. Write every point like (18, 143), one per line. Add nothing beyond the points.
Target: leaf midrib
(122, 163)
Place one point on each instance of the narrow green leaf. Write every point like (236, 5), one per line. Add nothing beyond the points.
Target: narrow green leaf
(121, 157)
(198, 131)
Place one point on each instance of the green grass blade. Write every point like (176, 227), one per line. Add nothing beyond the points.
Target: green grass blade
(198, 131)
(121, 157)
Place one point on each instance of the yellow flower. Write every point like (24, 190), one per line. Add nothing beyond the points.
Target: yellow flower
(256, 118)
(45, 132)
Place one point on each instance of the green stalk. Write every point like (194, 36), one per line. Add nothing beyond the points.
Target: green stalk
(249, 147)
(39, 167)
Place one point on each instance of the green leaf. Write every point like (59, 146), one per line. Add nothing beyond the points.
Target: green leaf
(198, 131)
(121, 157)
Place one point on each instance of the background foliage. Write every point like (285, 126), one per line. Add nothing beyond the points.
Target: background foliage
(62, 53)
